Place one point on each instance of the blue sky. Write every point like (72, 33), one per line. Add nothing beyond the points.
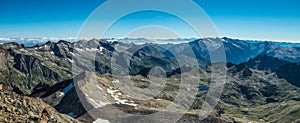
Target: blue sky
(245, 19)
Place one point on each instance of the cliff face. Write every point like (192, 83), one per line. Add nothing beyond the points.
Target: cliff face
(34, 67)
(290, 72)
(27, 69)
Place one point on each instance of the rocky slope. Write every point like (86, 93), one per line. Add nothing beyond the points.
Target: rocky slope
(104, 98)
(249, 95)
(255, 92)
(18, 108)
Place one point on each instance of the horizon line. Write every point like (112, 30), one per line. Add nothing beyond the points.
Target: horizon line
(120, 38)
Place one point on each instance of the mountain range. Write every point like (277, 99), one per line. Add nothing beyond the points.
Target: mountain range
(261, 83)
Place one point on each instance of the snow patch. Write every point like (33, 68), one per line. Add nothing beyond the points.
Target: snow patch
(98, 120)
(118, 100)
(99, 87)
(61, 94)
(70, 60)
(236, 45)
(101, 49)
(116, 81)
(78, 49)
(91, 49)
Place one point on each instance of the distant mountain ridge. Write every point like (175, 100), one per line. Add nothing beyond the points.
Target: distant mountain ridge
(39, 41)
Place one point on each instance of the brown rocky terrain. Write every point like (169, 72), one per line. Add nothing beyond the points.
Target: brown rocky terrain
(22, 109)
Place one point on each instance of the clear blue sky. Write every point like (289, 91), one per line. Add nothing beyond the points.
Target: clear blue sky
(246, 19)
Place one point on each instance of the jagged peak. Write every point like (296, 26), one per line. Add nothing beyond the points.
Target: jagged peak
(13, 45)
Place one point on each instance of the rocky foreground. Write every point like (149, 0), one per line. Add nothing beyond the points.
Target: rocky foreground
(23, 109)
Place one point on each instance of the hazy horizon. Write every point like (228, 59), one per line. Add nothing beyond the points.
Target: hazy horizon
(74, 39)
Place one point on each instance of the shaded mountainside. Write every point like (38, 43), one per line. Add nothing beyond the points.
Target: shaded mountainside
(283, 69)
(290, 72)
(264, 62)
